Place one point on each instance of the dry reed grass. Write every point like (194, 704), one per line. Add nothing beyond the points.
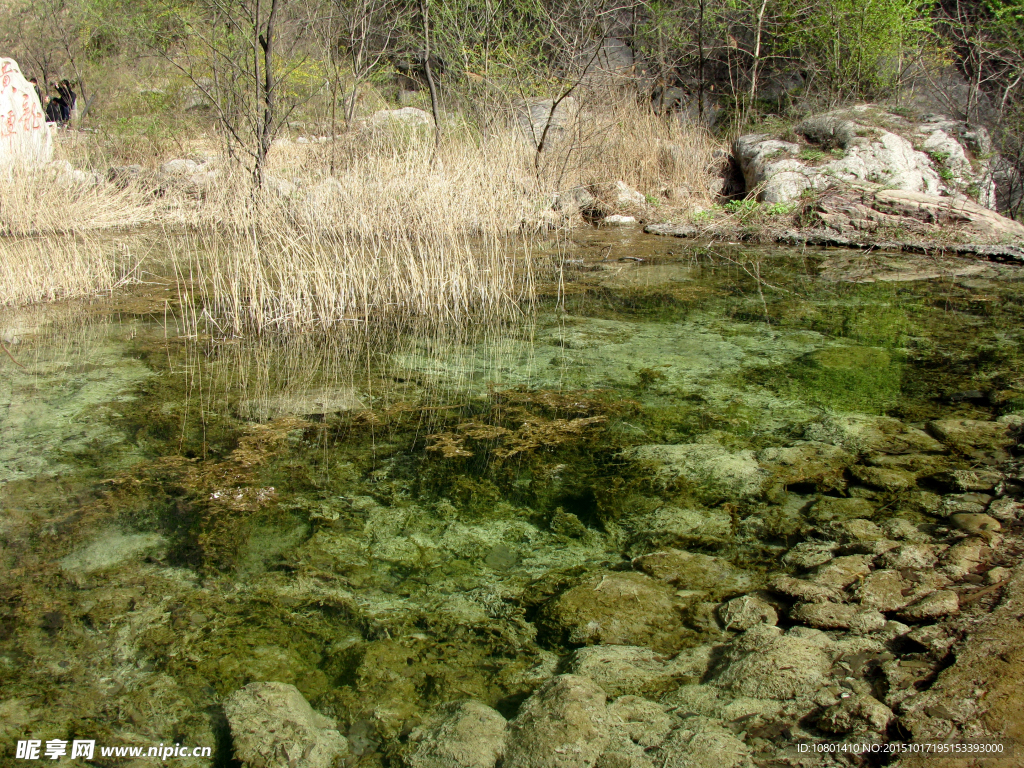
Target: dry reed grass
(58, 199)
(378, 225)
(62, 267)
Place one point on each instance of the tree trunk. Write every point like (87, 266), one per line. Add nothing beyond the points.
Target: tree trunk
(435, 108)
(269, 86)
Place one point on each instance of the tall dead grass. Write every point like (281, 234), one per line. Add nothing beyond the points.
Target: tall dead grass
(380, 224)
(60, 199)
(62, 267)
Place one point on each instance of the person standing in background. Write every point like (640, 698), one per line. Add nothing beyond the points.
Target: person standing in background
(68, 98)
(39, 93)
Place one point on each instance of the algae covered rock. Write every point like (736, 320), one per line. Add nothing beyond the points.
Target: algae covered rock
(562, 725)
(627, 669)
(711, 472)
(671, 526)
(703, 743)
(468, 735)
(615, 609)
(273, 726)
(689, 570)
(764, 663)
(812, 462)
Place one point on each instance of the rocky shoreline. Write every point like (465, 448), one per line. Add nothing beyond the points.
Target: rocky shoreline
(825, 238)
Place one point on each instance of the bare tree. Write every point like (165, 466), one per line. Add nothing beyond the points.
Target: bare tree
(238, 55)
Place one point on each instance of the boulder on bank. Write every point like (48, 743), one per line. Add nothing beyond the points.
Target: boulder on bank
(29, 141)
(546, 120)
(875, 171)
(406, 116)
(865, 145)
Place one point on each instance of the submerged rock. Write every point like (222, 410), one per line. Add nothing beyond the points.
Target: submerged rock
(642, 722)
(829, 509)
(562, 725)
(801, 589)
(838, 616)
(763, 663)
(671, 526)
(886, 479)
(688, 570)
(469, 735)
(909, 556)
(710, 471)
(941, 603)
(615, 609)
(840, 572)
(112, 548)
(859, 713)
(809, 554)
(815, 463)
(702, 743)
(748, 611)
(983, 525)
(884, 590)
(626, 669)
(858, 433)
(273, 726)
(966, 435)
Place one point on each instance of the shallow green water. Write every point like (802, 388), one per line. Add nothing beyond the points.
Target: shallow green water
(378, 520)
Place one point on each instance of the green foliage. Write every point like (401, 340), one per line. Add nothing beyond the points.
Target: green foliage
(781, 209)
(857, 47)
(741, 207)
